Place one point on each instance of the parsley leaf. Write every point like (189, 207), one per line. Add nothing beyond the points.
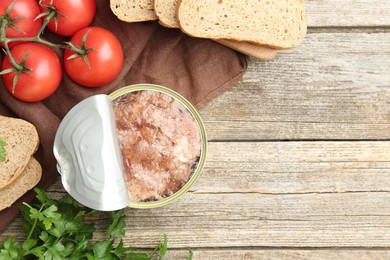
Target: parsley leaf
(10, 249)
(3, 153)
(117, 227)
(163, 246)
(47, 216)
(102, 249)
(55, 250)
(62, 229)
(190, 255)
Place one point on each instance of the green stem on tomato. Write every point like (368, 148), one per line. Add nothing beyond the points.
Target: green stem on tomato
(5, 41)
(47, 19)
(37, 38)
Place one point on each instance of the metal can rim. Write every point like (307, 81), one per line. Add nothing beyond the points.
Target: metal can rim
(195, 176)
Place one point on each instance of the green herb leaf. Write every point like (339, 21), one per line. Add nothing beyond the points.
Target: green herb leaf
(41, 196)
(120, 251)
(102, 249)
(10, 249)
(3, 153)
(28, 244)
(117, 227)
(163, 247)
(81, 248)
(55, 251)
(61, 229)
(47, 216)
(189, 255)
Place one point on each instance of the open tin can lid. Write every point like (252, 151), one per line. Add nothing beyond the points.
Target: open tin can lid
(88, 155)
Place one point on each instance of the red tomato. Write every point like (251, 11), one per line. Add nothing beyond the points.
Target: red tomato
(74, 15)
(44, 76)
(105, 58)
(26, 9)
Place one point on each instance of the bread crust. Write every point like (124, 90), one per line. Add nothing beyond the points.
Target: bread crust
(25, 182)
(276, 24)
(133, 10)
(22, 141)
(164, 13)
(166, 17)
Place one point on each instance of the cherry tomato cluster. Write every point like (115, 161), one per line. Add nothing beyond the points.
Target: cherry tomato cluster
(31, 69)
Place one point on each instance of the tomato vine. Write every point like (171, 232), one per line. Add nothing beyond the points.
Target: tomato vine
(7, 21)
(49, 16)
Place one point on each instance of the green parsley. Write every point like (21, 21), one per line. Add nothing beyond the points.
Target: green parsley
(3, 153)
(62, 229)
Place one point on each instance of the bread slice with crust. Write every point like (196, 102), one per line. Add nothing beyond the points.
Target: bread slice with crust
(25, 182)
(133, 10)
(21, 142)
(250, 49)
(273, 23)
(166, 11)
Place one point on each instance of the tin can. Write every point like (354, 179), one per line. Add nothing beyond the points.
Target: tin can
(89, 154)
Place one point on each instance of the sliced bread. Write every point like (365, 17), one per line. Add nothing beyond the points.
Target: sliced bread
(273, 23)
(21, 142)
(166, 11)
(133, 10)
(250, 49)
(26, 181)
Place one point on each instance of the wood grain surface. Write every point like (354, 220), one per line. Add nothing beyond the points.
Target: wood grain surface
(298, 165)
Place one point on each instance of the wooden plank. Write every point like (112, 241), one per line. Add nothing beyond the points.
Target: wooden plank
(296, 167)
(348, 13)
(333, 86)
(319, 199)
(257, 220)
(281, 254)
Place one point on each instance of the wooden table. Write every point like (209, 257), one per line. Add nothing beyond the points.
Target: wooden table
(299, 152)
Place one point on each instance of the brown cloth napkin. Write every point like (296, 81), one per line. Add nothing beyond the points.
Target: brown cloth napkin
(199, 69)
